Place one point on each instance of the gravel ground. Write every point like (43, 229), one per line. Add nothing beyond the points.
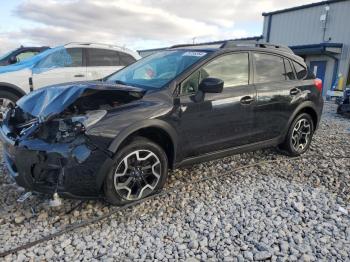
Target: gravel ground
(281, 211)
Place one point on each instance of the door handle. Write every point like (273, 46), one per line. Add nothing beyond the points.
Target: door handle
(294, 91)
(79, 75)
(246, 100)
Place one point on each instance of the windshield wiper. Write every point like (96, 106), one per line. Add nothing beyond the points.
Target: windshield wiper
(119, 82)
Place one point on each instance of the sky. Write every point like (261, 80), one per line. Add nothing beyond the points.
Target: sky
(136, 24)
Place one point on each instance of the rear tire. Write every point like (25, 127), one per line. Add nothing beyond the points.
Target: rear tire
(140, 169)
(299, 135)
(6, 98)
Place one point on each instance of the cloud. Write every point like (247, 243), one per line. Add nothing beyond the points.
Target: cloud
(137, 23)
(6, 45)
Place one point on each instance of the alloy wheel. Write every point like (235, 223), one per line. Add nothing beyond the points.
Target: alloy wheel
(301, 135)
(137, 175)
(4, 105)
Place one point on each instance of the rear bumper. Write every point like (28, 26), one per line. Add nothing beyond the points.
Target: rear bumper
(74, 170)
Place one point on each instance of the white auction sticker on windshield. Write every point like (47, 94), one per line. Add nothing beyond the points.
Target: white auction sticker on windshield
(200, 54)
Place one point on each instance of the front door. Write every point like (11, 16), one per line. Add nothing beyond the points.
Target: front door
(62, 66)
(212, 122)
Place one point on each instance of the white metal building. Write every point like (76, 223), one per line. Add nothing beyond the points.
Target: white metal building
(319, 32)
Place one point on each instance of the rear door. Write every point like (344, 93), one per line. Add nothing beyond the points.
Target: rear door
(276, 86)
(103, 62)
(65, 65)
(218, 121)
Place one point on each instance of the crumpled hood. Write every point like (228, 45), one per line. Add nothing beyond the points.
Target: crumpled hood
(49, 101)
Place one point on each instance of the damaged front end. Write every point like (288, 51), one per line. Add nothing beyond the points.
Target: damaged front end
(47, 145)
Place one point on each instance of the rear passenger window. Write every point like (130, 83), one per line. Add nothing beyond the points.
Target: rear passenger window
(126, 59)
(268, 68)
(289, 71)
(102, 57)
(300, 70)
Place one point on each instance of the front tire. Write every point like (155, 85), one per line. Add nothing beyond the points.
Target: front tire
(7, 99)
(140, 169)
(299, 135)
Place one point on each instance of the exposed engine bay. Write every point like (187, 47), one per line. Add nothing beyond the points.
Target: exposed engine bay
(47, 148)
(72, 121)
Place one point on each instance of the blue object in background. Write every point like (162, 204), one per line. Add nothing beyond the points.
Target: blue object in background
(319, 68)
(61, 58)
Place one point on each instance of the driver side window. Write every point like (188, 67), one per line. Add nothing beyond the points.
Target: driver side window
(26, 55)
(233, 69)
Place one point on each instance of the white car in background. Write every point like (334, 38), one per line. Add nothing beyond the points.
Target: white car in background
(68, 63)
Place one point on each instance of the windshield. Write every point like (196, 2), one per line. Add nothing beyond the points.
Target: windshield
(157, 70)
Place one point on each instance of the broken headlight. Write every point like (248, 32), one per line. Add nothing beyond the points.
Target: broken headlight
(90, 118)
(71, 127)
(66, 129)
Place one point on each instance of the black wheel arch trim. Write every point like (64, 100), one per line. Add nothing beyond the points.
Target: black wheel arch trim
(106, 167)
(13, 88)
(124, 134)
(300, 108)
(151, 123)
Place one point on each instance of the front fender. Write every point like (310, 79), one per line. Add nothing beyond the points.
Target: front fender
(157, 123)
(118, 140)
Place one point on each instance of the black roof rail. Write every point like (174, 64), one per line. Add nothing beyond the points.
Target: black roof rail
(218, 44)
(233, 44)
(236, 43)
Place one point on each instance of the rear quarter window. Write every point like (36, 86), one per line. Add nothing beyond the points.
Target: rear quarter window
(300, 70)
(289, 70)
(126, 59)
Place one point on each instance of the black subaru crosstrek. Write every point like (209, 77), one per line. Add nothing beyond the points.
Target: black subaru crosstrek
(117, 138)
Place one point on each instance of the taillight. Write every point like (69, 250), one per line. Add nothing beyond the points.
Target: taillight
(318, 84)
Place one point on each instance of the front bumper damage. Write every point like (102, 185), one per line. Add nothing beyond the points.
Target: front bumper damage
(70, 169)
(48, 146)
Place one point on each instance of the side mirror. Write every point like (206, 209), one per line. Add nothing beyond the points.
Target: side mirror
(12, 60)
(211, 85)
